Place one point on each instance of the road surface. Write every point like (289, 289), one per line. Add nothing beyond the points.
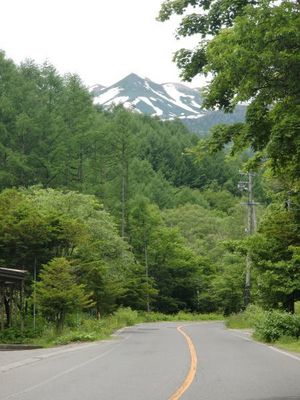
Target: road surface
(158, 361)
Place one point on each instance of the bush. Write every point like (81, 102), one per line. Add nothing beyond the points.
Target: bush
(125, 317)
(18, 336)
(275, 324)
(152, 316)
(253, 314)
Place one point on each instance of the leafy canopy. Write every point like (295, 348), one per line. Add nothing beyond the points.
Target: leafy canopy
(252, 56)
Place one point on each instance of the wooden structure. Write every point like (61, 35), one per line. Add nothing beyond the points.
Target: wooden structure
(11, 293)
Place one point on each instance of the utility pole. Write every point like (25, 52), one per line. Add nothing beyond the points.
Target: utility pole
(247, 185)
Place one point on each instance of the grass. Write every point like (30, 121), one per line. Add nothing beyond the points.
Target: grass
(288, 343)
(246, 319)
(237, 321)
(81, 328)
(181, 316)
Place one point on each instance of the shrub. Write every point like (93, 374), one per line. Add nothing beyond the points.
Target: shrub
(125, 316)
(152, 316)
(275, 324)
(253, 314)
(18, 336)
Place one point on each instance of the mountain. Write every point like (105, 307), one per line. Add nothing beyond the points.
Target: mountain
(96, 89)
(166, 101)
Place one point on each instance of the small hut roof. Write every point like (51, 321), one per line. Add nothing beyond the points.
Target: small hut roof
(12, 275)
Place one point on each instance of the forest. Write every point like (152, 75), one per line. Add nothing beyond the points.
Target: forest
(110, 208)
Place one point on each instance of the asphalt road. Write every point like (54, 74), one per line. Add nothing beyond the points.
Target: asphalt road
(204, 361)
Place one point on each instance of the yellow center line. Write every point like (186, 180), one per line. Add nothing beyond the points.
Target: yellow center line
(193, 368)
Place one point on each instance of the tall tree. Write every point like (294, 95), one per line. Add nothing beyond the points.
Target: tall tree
(123, 131)
(144, 219)
(209, 18)
(255, 60)
(275, 251)
(58, 294)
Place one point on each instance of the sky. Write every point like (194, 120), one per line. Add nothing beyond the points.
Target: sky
(100, 40)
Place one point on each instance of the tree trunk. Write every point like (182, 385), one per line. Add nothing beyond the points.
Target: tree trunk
(289, 304)
(60, 323)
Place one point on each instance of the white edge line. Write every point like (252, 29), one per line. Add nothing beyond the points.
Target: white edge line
(268, 346)
(65, 372)
(40, 357)
(283, 352)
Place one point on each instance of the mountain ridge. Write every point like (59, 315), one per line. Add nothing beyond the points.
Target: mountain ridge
(166, 101)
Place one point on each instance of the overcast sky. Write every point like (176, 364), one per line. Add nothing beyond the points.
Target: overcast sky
(101, 40)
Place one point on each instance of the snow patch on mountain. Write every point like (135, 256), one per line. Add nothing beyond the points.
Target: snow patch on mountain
(175, 94)
(158, 111)
(167, 101)
(117, 100)
(108, 95)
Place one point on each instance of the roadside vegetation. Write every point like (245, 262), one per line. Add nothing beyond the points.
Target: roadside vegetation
(81, 327)
(272, 326)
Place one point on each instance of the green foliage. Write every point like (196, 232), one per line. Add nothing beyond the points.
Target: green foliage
(75, 226)
(48, 112)
(125, 317)
(220, 199)
(210, 18)
(219, 278)
(275, 250)
(251, 50)
(180, 316)
(267, 81)
(174, 267)
(16, 336)
(30, 235)
(288, 343)
(90, 329)
(274, 325)
(57, 293)
(272, 91)
(268, 326)
(247, 319)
